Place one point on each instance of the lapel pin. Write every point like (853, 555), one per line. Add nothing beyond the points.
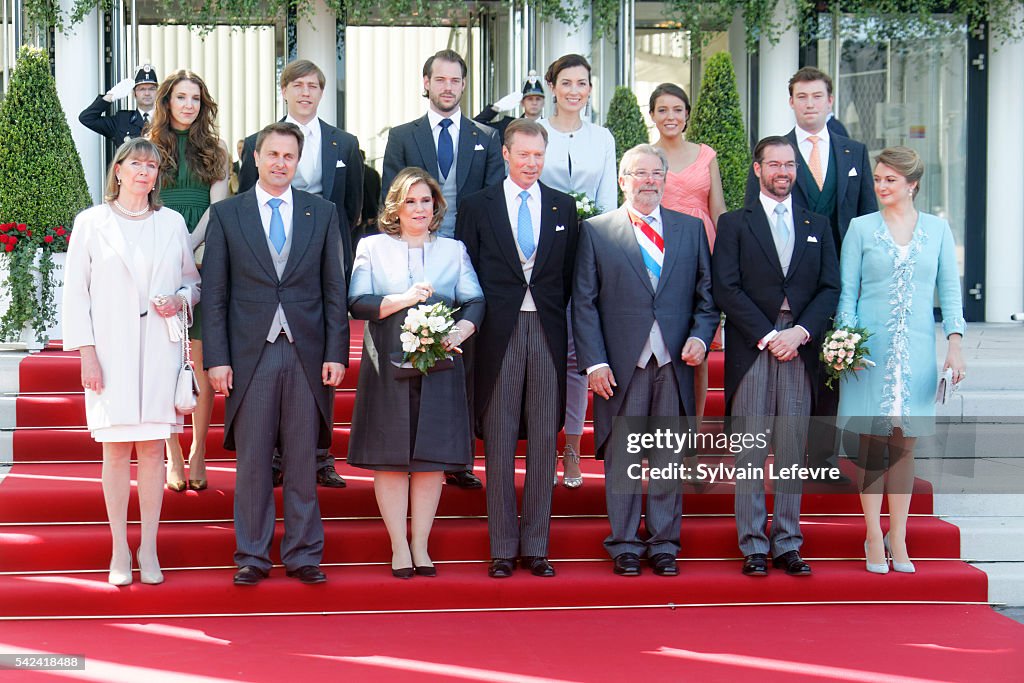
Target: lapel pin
(308, 214)
(334, 143)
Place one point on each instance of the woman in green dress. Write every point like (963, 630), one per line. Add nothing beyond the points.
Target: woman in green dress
(195, 168)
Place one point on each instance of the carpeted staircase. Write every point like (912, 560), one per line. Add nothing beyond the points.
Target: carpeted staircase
(55, 545)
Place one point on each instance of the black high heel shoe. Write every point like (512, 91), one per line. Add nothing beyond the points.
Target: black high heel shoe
(403, 573)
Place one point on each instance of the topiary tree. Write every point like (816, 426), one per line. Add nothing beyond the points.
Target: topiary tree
(43, 188)
(718, 122)
(625, 122)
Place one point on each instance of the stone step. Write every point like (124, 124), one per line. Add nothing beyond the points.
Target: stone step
(978, 505)
(990, 539)
(1005, 581)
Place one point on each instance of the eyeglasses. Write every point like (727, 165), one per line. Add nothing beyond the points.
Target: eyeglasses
(644, 175)
(776, 166)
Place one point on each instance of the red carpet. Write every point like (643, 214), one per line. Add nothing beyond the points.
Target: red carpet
(865, 644)
(54, 547)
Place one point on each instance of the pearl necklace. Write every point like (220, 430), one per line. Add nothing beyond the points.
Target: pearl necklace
(126, 212)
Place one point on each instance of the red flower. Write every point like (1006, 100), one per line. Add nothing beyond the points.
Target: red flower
(5, 227)
(22, 227)
(10, 246)
(60, 231)
(48, 239)
(29, 233)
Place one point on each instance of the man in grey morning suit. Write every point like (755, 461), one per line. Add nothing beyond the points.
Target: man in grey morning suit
(834, 179)
(643, 317)
(776, 278)
(526, 275)
(462, 155)
(276, 341)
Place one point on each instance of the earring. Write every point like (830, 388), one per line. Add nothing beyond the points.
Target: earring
(118, 180)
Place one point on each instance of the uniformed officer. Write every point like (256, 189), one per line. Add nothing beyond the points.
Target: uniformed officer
(127, 123)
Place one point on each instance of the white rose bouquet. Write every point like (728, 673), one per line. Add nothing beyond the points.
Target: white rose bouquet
(845, 351)
(585, 206)
(423, 335)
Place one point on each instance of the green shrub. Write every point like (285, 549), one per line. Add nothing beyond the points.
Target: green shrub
(718, 122)
(43, 189)
(625, 122)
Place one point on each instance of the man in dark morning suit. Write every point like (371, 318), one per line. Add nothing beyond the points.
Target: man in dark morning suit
(521, 236)
(332, 168)
(777, 281)
(834, 179)
(276, 342)
(462, 155)
(127, 123)
(642, 318)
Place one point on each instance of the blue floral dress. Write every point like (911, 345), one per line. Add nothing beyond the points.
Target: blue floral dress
(890, 291)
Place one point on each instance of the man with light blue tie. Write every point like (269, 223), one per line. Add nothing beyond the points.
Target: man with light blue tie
(276, 342)
(776, 278)
(463, 156)
(521, 236)
(642, 319)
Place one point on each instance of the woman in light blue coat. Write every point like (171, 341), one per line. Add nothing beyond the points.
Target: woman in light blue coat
(893, 263)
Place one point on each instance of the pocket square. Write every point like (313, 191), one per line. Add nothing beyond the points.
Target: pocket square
(853, 171)
(559, 228)
(478, 148)
(340, 164)
(812, 238)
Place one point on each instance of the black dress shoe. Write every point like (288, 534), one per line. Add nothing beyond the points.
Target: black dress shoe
(755, 564)
(308, 574)
(403, 573)
(538, 566)
(329, 477)
(627, 564)
(249, 576)
(792, 563)
(664, 564)
(426, 571)
(501, 568)
(278, 478)
(464, 480)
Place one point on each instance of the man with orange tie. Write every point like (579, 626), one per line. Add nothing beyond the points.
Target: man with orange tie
(834, 179)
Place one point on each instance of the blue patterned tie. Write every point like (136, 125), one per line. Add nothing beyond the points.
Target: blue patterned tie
(781, 227)
(445, 148)
(524, 228)
(277, 237)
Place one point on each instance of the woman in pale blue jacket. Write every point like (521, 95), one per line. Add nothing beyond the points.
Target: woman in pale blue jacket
(892, 264)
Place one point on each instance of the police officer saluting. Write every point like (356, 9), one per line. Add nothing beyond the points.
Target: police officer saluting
(127, 123)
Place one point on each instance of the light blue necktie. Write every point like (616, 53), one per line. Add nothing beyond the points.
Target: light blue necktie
(277, 237)
(781, 227)
(524, 228)
(445, 149)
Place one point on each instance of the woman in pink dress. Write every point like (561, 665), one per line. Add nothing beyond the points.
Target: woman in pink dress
(693, 185)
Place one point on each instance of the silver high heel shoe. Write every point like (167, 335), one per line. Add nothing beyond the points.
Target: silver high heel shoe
(569, 453)
(148, 576)
(902, 567)
(882, 568)
(120, 576)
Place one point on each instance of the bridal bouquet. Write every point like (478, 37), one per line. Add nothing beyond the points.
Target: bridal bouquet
(423, 334)
(585, 206)
(845, 351)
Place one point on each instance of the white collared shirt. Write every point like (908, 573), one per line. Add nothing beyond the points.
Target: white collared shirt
(805, 148)
(310, 166)
(512, 202)
(286, 208)
(453, 130)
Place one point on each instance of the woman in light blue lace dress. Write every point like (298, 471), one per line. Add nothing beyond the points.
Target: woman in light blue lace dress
(893, 263)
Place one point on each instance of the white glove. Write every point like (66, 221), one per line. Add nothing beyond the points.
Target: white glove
(120, 91)
(510, 101)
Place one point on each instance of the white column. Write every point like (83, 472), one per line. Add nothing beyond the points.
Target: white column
(738, 50)
(316, 40)
(1004, 206)
(78, 68)
(778, 63)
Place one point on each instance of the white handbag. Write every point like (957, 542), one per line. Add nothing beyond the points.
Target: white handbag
(187, 387)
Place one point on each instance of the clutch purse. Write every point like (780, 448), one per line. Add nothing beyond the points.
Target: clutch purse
(405, 369)
(945, 388)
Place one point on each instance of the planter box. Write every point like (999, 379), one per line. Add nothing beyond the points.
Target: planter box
(28, 335)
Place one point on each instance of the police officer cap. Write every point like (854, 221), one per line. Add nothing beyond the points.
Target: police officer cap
(532, 85)
(146, 74)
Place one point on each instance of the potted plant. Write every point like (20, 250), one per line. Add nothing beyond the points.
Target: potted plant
(43, 189)
(717, 121)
